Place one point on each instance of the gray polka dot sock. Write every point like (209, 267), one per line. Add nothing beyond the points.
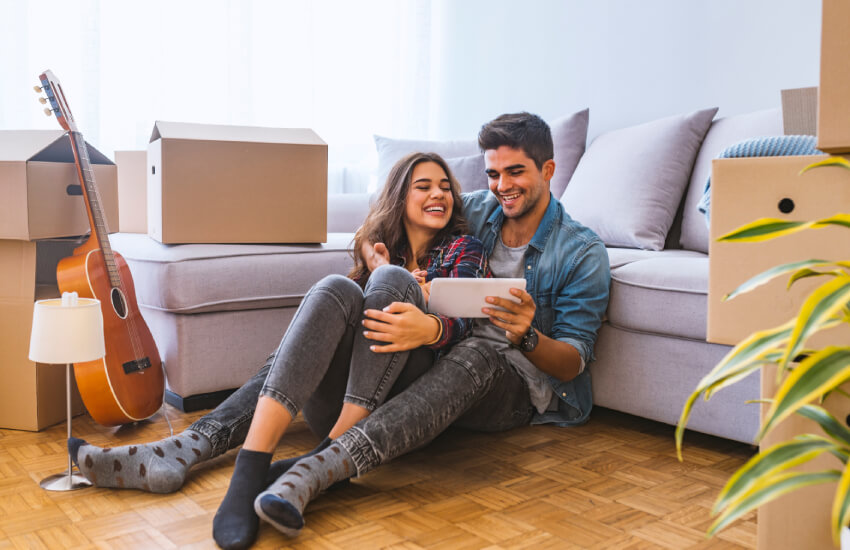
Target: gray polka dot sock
(158, 467)
(283, 503)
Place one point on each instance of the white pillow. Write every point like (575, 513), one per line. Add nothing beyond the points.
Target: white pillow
(629, 183)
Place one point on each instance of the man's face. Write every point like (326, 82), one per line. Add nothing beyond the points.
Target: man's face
(516, 181)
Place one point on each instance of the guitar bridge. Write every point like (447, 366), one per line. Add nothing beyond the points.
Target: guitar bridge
(136, 365)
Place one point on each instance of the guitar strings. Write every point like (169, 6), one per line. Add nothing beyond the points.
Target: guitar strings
(103, 241)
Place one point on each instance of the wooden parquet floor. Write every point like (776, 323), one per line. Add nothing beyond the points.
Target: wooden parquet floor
(613, 483)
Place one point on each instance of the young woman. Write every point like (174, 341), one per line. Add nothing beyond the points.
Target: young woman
(373, 322)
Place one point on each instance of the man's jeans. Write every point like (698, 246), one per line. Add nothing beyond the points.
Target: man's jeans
(324, 359)
(472, 387)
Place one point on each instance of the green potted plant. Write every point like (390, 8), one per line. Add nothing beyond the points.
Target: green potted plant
(804, 376)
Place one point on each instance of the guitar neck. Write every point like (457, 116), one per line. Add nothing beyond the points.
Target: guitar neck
(97, 219)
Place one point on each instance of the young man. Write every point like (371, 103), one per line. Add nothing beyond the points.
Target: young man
(525, 365)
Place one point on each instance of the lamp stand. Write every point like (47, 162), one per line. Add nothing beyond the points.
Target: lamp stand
(69, 480)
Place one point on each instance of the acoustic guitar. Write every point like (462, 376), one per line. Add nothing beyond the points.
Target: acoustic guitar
(127, 384)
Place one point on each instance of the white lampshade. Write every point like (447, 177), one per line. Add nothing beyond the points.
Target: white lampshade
(68, 330)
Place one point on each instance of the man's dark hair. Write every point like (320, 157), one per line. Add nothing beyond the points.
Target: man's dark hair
(524, 131)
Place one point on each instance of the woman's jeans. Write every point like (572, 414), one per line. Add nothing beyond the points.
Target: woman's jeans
(324, 359)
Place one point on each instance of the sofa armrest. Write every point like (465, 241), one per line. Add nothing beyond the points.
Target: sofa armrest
(346, 211)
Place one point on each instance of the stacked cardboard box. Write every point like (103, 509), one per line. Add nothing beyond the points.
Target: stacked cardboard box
(746, 189)
(41, 200)
(236, 184)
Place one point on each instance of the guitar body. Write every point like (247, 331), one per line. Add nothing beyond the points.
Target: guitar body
(112, 395)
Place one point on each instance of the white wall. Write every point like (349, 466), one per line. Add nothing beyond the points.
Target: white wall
(630, 61)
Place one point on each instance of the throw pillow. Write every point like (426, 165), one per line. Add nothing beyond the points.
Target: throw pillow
(723, 133)
(628, 185)
(392, 150)
(569, 136)
(469, 171)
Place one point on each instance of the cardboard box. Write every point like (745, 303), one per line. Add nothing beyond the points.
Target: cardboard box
(32, 395)
(41, 191)
(834, 94)
(800, 519)
(236, 184)
(746, 189)
(799, 112)
(132, 191)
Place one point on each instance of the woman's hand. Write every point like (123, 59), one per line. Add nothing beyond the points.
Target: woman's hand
(420, 275)
(401, 326)
(375, 255)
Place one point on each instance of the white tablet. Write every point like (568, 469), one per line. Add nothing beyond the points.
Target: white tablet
(457, 297)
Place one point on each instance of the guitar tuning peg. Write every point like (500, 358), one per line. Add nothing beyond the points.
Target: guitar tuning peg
(48, 111)
(38, 89)
(42, 100)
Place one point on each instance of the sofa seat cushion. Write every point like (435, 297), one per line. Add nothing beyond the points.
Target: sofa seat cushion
(618, 257)
(199, 278)
(666, 295)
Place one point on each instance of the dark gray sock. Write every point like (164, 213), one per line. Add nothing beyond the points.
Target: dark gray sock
(235, 523)
(283, 503)
(158, 467)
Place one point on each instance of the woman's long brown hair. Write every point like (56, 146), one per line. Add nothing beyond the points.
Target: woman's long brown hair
(384, 223)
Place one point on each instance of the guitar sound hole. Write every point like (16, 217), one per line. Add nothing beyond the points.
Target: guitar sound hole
(118, 303)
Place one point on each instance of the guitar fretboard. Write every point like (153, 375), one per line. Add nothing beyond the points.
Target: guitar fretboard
(92, 196)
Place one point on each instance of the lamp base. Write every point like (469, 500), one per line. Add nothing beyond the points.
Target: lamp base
(64, 482)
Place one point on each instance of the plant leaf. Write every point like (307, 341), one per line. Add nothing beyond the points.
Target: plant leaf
(837, 219)
(769, 489)
(739, 359)
(764, 229)
(829, 161)
(841, 506)
(766, 276)
(828, 423)
(816, 375)
(820, 306)
(806, 272)
(768, 462)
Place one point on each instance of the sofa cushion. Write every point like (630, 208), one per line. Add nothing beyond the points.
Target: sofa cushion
(196, 278)
(665, 295)
(723, 133)
(618, 257)
(629, 183)
(569, 136)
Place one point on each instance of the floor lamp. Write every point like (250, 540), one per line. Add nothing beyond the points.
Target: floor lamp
(67, 330)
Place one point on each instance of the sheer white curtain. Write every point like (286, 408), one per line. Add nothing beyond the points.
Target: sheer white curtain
(345, 69)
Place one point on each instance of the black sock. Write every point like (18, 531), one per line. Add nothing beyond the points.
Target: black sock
(235, 523)
(280, 467)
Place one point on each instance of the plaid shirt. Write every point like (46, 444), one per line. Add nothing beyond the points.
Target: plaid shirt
(461, 256)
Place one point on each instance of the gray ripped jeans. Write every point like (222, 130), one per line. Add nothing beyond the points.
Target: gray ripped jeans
(324, 360)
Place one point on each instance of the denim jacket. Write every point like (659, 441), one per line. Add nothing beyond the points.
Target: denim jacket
(568, 276)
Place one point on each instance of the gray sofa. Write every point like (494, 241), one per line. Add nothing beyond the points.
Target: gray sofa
(216, 311)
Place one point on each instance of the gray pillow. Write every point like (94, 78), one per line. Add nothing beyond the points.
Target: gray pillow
(569, 136)
(392, 150)
(723, 133)
(628, 185)
(469, 172)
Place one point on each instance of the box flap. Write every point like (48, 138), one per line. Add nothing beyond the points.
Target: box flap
(60, 151)
(219, 132)
(23, 144)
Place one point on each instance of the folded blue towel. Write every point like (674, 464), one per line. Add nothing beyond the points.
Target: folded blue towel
(769, 146)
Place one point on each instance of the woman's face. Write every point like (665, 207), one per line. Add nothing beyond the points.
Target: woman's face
(429, 203)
